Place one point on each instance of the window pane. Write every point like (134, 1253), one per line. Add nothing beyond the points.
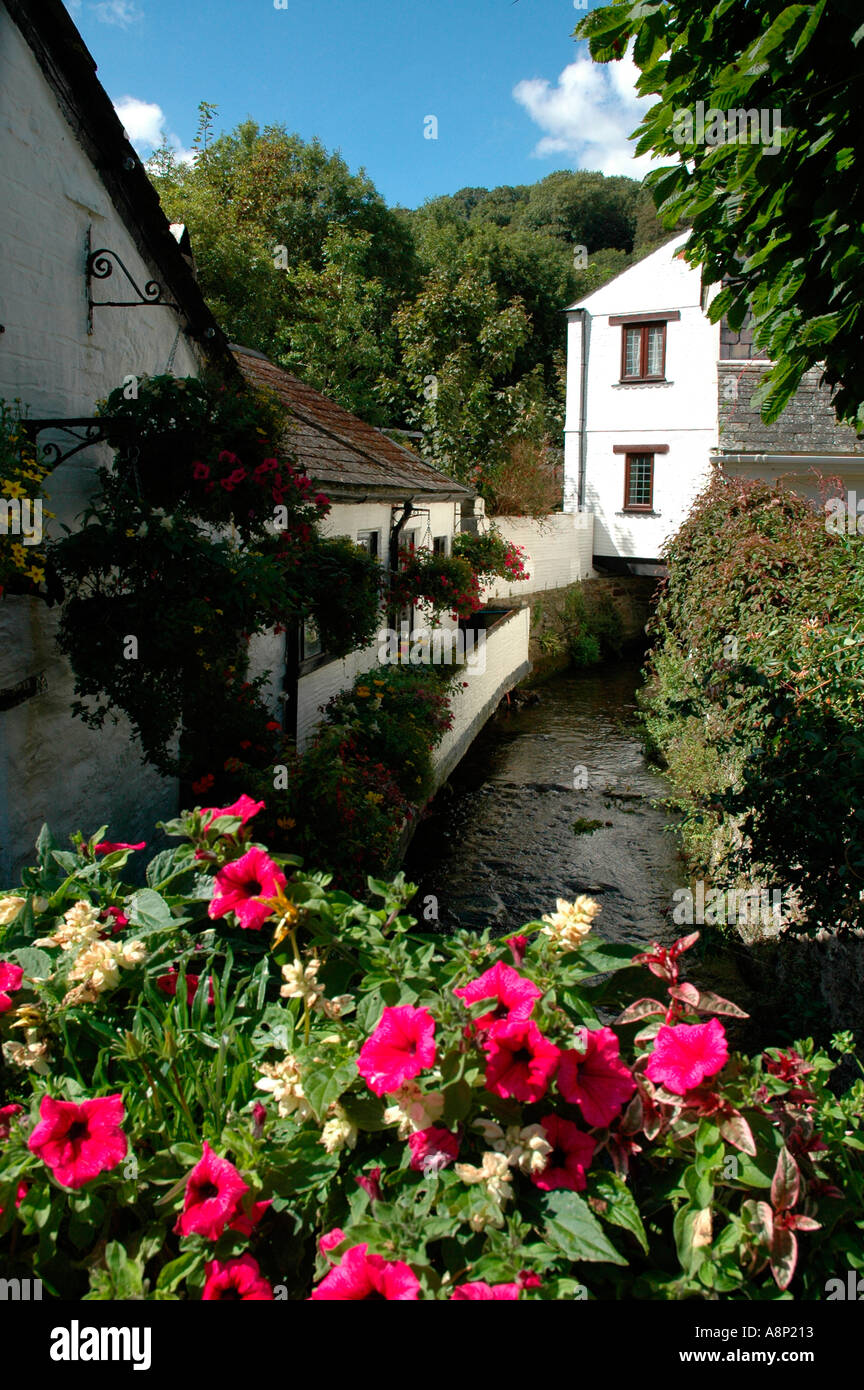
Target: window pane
(633, 343)
(439, 545)
(310, 640)
(655, 351)
(639, 489)
(369, 541)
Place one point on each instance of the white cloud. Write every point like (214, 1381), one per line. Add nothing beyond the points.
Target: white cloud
(589, 115)
(144, 123)
(121, 12)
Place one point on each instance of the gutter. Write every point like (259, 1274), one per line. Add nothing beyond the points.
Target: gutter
(786, 460)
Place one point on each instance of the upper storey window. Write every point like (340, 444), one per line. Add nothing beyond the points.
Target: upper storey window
(643, 345)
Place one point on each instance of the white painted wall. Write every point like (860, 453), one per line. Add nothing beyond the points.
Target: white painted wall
(49, 194)
(680, 412)
(558, 552)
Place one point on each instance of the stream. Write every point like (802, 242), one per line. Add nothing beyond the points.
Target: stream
(510, 832)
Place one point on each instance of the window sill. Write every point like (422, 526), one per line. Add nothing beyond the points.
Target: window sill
(638, 511)
(618, 385)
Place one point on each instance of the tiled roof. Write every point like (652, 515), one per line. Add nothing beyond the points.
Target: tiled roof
(343, 454)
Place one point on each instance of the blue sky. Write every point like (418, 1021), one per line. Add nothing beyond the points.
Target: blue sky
(514, 96)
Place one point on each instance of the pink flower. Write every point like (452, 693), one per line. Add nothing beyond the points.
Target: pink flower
(108, 846)
(684, 1055)
(520, 1060)
(237, 1279)
(120, 920)
(78, 1141)
(330, 1240)
(465, 1293)
(244, 807)
(168, 985)
(432, 1149)
(371, 1184)
(241, 885)
(214, 1193)
(20, 1194)
(259, 1115)
(570, 1158)
(401, 1047)
(359, 1275)
(596, 1080)
(245, 1222)
(200, 471)
(518, 948)
(10, 982)
(7, 1114)
(514, 996)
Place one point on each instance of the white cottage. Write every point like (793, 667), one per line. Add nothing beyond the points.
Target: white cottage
(656, 393)
(80, 224)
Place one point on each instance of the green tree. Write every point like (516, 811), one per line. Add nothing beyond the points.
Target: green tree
(782, 227)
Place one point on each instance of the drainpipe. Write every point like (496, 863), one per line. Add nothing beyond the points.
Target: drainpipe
(583, 407)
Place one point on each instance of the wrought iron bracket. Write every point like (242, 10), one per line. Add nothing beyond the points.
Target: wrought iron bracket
(84, 430)
(100, 266)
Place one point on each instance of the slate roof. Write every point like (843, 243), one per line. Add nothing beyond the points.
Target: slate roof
(352, 461)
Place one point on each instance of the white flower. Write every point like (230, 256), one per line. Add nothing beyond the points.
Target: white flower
(132, 953)
(526, 1149)
(494, 1172)
(30, 1054)
(568, 926)
(334, 1008)
(413, 1110)
(300, 981)
(339, 1133)
(99, 965)
(79, 927)
(9, 909)
(282, 1080)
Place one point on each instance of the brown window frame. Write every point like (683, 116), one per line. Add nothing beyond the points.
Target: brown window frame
(638, 506)
(642, 328)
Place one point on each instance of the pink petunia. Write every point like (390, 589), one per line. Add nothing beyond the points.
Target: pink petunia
(684, 1055)
(109, 846)
(520, 1060)
(465, 1293)
(238, 1280)
(244, 1222)
(401, 1047)
(20, 1193)
(432, 1149)
(244, 807)
(330, 1240)
(80, 1140)
(371, 1184)
(7, 1115)
(168, 985)
(242, 884)
(11, 977)
(518, 946)
(514, 996)
(360, 1275)
(214, 1194)
(596, 1080)
(570, 1158)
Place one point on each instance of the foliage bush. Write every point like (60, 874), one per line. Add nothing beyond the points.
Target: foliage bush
(754, 693)
(490, 555)
(239, 1083)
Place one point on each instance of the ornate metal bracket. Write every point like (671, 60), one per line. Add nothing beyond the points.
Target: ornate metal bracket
(85, 430)
(100, 266)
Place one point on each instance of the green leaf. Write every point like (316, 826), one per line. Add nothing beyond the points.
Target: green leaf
(324, 1083)
(621, 1209)
(366, 1112)
(149, 909)
(36, 964)
(572, 1228)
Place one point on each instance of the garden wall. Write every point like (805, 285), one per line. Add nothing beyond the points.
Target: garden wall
(558, 550)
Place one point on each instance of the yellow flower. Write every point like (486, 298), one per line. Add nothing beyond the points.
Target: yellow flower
(15, 490)
(363, 692)
(568, 926)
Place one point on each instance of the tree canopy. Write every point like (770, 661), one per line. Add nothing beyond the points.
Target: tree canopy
(778, 222)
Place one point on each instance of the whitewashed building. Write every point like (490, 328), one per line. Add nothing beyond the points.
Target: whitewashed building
(656, 393)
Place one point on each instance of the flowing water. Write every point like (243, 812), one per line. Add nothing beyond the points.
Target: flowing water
(511, 832)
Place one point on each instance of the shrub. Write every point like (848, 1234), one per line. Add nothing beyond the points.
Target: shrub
(235, 1080)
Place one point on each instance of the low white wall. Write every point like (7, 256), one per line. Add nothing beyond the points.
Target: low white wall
(559, 550)
(506, 664)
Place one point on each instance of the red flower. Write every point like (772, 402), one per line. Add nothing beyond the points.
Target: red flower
(370, 1183)
(108, 846)
(78, 1141)
(359, 1275)
(401, 1047)
(241, 885)
(432, 1149)
(244, 807)
(168, 985)
(203, 784)
(520, 1060)
(245, 1222)
(570, 1158)
(514, 995)
(214, 1193)
(237, 1279)
(20, 1194)
(7, 1114)
(10, 982)
(465, 1293)
(330, 1240)
(200, 471)
(120, 920)
(684, 1055)
(596, 1080)
(518, 948)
